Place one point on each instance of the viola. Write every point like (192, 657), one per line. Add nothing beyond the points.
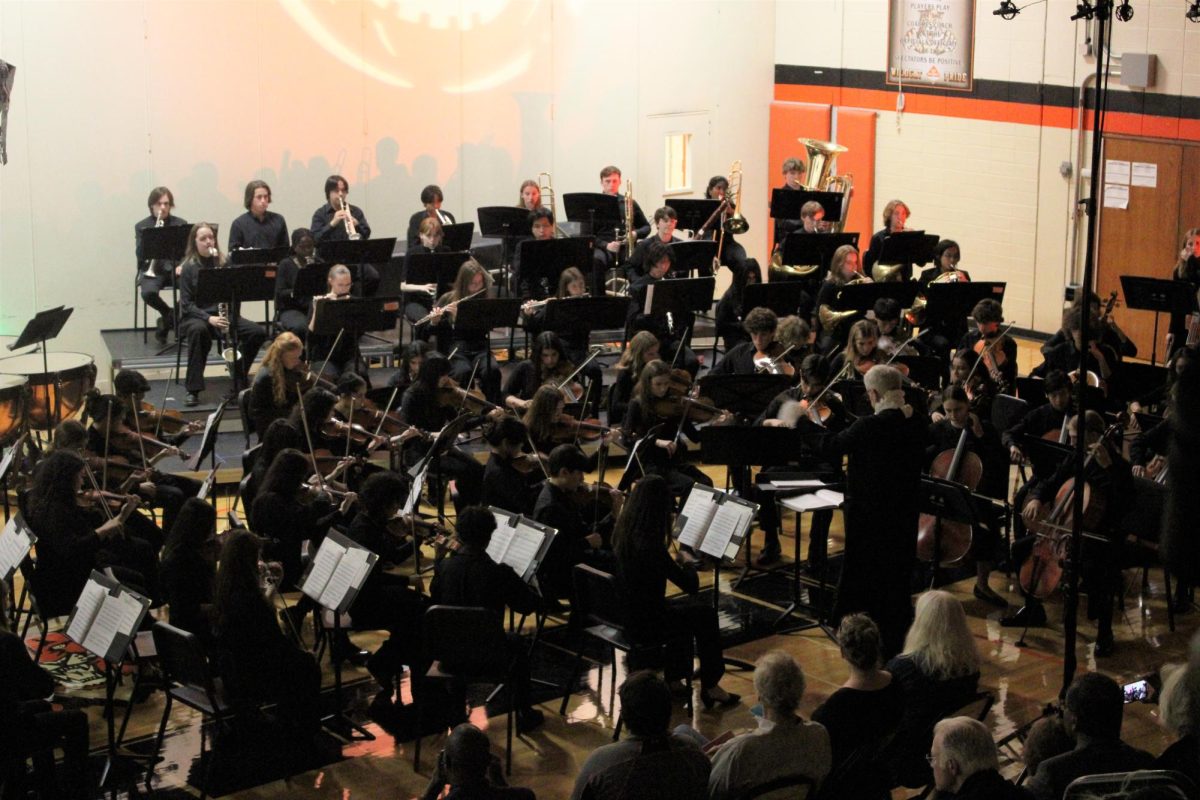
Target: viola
(947, 540)
(567, 429)
(168, 421)
(472, 400)
(695, 409)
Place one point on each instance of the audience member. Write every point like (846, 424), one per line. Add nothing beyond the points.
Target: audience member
(862, 715)
(1047, 738)
(1092, 713)
(651, 762)
(783, 745)
(468, 766)
(1177, 713)
(965, 763)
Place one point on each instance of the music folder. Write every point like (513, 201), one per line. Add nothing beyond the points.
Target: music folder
(15, 542)
(337, 572)
(519, 542)
(106, 617)
(714, 522)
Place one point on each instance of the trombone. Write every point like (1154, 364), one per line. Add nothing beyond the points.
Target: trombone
(546, 199)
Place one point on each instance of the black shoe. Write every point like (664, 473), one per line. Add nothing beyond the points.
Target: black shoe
(1028, 616)
(529, 719)
(1105, 646)
(769, 556)
(192, 400)
(709, 701)
(988, 596)
(160, 330)
(380, 667)
(345, 650)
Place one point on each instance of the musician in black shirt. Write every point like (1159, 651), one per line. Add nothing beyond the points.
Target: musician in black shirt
(733, 254)
(293, 311)
(895, 214)
(1102, 361)
(793, 170)
(329, 221)
(431, 198)
(610, 246)
(155, 274)
(258, 228)
(669, 331)
(504, 485)
(665, 221)
(418, 298)
(1001, 349)
(760, 324)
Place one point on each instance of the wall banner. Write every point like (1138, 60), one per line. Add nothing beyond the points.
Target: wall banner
(931, 43)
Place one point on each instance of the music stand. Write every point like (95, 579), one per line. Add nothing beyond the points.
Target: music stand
(802, 249)
(861, 297)
(259, 255)
(745, 395)
(45, 326)
(235, 285)
(782, 297)
(786, 203)
(923, 370)
(351, 317)
(679, 296)
(907, 248)
(353, 253)
(946, 501)
(691, 213)
(578, 314)
(419, 472)
(486, 315)
(506, 223)
(595, 212)
(543, 262)
(438, 268)
(1044, 455)
(951, 303)
(208, 441)
(693, 258)
(311, 281)
(168, 243)
(458, 235)
(1159, 296)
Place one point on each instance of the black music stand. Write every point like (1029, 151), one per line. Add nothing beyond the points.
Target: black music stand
(1044, 455)
(486, 315)
(578, 314)
(235, 285)
(259, 255)
(951, 303)
(782, 297)
(923, 370)
(352, 317)
(745, 395)
(208, 440)
(1031, 390)
(353, 253)
(907, 248)
(691, 213)
(45, 326)
(693, 258)
(786, 203)
(802, 249)
(438, 268)
(595, 212)
(1160, 296)
(168, 243)
(861, 297)
(311, 281)
(458, 235)
(679, 296)
(419, 472)
(543, 262)
(946, 501)
(506, 223)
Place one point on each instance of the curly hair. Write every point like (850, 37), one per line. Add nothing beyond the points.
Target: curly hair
(859, 638)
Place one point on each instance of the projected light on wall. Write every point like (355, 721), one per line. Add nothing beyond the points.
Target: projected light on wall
(450, 44)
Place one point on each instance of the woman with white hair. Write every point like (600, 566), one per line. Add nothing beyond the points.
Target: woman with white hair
(783, 745)
(1179, 706)
(938, 672)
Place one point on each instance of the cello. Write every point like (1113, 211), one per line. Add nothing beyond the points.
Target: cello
(948, 540)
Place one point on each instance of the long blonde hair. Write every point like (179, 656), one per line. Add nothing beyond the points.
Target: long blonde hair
(541, 414)
(634, 357)
(939, 640)
(273, 363)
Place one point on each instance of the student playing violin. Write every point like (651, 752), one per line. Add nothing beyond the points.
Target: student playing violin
(511, 475)
(547, 365)
(761, 352)
(862, 350)
(998, 350)
(549, 425)
(641, 350)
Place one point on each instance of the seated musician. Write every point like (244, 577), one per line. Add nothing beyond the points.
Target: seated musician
(831, 328)
(861, 352)
(794, 332)
(946, 255)
(663, 451)
(511, 475)
(1109, 476)
(189, 569)
(895, 334)
(895, 215)
(744, 359)
(1106, 330)
(469, 577)
(410, 358)
(793, 170)
(333, 354)
(610, 184)
(76, 535)
(983, 441)
(472, 354)
(582, 529)
(422, 408)
(130, 387)
(577, 343)
(529, 196)
(998, 350)
(665, 220)
(418, 297)
(365, 422)
(671, 333)
(1102, 361)
(981, 390)
(431, 199)
(386, 600)
(641, 350)
(201, 324)
(547, 365)
(549, 425)
(1187, 270)
(541, 227)
(731, 307)
(258, 228)
(1148, 451)
(292, 312)
(155, 274)
(277, 384)
(733, 254)
(1039, 423)
(329, 222)
(812, 216)
(110, 438)
(784, 411)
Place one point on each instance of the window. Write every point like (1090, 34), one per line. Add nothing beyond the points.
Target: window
(678, 161)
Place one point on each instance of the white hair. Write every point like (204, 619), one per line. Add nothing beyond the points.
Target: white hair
(968, 744)
(779, 682)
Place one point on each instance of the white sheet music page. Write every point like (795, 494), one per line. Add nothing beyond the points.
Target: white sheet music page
(697, 513)
(15, 542)
(523, 549)
(350, 572)
(502, 537)
(726, 523)
(89, 602)
(323, 565)
(117, 616)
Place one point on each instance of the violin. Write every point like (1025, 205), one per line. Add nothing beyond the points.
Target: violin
(302, 379)
(696, 409)
(681, 382)
(947, 540)
(167, 421)
(471, 400)
(567, 429)
(772, 361)
(863, 365)
(142, 444)
(993, 358)
(598, 495)
(817, 410)
(337, 429)
(526, 463)
(114, 501)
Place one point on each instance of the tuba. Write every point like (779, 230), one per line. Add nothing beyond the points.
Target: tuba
(820, 177)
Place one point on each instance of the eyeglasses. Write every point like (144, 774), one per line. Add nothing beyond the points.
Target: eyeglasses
(929, 757)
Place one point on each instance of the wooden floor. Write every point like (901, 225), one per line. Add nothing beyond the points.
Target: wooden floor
(1023, 680)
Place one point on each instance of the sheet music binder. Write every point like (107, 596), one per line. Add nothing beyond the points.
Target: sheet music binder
(106, 617)
(16, 540)
(336, 574)
(679, 296)
(519, 542)
(714, 522)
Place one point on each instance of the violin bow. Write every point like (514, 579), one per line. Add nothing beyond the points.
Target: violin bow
(387, 409)
(350, 426)
(987, 348)
(161, 408)
(312, 457)
(533, 449)
(900, 349)
(463, 402)
(332, 349)
(679, 348)
(96, 487)
(579, 422)
(596, 349)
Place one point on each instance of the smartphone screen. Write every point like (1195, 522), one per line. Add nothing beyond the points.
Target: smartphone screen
(1137, 691)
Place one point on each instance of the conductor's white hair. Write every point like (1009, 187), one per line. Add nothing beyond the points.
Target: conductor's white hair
(883, 379)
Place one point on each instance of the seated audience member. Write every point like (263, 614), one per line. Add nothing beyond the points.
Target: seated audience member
(470, 578)
(862, 715)
(938, 673)
(469, 768)
(1092, 713)
(189, 568)
(966, 765)
(783, 745)
(1177, 704)
(651, 761)
(1047, 738)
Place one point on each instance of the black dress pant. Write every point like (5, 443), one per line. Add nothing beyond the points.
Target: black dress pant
(170, 492)
(699, 620)
(151, 285)
(293, 321)
(199, 336)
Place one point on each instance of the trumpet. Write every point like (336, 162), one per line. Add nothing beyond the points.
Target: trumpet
(351, 232)
(159, 221)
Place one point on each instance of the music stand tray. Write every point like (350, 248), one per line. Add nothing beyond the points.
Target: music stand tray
(235, 285)
(357, 251)
(311, 281)
(45, 326)
(1157, 295)
(168, 243)
(259, 255)
(594, 211)
(354, 315)
(419, 268)
(694, 257)
(487, 315)
(952, 303)
(546, 260)
(504, 222)
(907, 247)
(802, 249)
(458, 236)
(1045, 455)
(745, 395)
(786, 203)
(861, 297)
(679, 296)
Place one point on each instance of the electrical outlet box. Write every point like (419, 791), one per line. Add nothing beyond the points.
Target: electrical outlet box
(1138, 70)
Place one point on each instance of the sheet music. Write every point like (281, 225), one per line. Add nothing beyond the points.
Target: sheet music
(806, 483)
(118, 615)
(822, 498)
(414, 493)
(697, 514)
(726, 523)
(523, 548)
(351, 570)
(502, 538)
(89, 602)
(323, 565)
(15, 542)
